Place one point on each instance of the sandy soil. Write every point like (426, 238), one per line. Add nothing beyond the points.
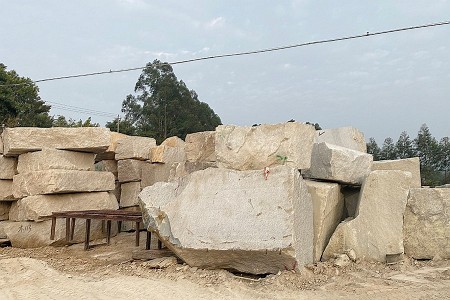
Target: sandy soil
(108, 272)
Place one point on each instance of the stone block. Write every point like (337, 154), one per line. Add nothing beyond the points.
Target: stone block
(48, 159)
(328, 208)
(347, 137)
(129, 193)
(8, 167)
(6, 190)
(335, 163)
(134, 147)
(174, 141)
(130, 169)
(110, 153)
(4, 210)
(377, 229)
(254, 148)
(167, 155)
(19, 140)
(152, 173)
(427, 223)
(34, 208)
(220, 218)
(61, 181)
(108, 165)
(409, 165)
(201, 146)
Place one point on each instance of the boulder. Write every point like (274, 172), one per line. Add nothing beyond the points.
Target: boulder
(336, 163)
(61, 181)
(110, 153)
(174, 141)
(201, 146)
(4, 210)
(130, 170)
(220, 218)
(47, 159)
(377, 229)
(129, 194)
(152, 173)
(6, 190)
(347, 137)
(254, 148)
(108, 165)
(34, 208)
(134, 147)
(427, 223)
(19, 140)
(408, 164)
(167, 155)
(8, 167)
(328, 208)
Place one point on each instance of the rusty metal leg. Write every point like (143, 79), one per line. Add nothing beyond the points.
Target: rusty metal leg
(52, 229)
(67, 229)
(108, 232)
(138, 224)
(88, 233)
(72, 229)
(148, 240)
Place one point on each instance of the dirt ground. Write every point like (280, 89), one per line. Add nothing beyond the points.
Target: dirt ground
(108, 272)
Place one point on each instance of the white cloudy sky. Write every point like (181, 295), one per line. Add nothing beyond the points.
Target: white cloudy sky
(381, 85)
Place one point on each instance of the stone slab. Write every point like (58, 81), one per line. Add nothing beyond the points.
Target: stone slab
(348, 137)
(47, 159)
(201, 146)
(6, 190)
(427, 223)
(134, 147)
(253, 148)
(335, 163)
(130, 170)
(110, 153)
(34, 208)
(4, 210)
(152, 173)
(409, 165)
(20, 140)
(377, 229)
(61, 181)
(328, 208)
(167, 155)
(220, 218)
(8, 167)
(129, 193)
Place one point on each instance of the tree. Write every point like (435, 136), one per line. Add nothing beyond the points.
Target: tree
(404, 146)
(444, 158)
(61, 121)
(427, 148)
(163, 106)
(20, 104)
(388, 151)
(372, 148)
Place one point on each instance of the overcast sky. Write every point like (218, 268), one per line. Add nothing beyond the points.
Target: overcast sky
(382, 85)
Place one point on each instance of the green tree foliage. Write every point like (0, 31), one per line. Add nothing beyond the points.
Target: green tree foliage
(61, 121)
(404, 146)
(388, 150)
(373, 149)
(163, 106)
(20, 104)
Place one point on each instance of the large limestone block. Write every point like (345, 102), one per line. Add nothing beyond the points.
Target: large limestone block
(108, 165)
(61, 181)
(8, 167)
(129, 193)
(167, 155)
(253, 148)
(335, 163)
(37, 234)
(4, 210)
(130, 169)
(377, 229)
(6, 190)
(347, 137)
(152, 173)
(19, 140)
(427, 223)
(409, 165)
(47, 159)
(134, 147)
(34, 208)
(220, 218)
(110, 153)
(328, 207)
(201, 146)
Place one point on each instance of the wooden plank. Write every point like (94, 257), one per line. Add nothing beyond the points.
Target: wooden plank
(151, 254)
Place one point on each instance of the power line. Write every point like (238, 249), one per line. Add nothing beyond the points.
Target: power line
(367, 34)
(77, 109)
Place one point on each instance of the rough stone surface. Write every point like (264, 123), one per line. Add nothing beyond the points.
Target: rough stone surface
(328, 207)
(427, 223)
(4, 210)
(130, 170)
(61, 181)
(219, 218)
(409, 165)
(6, 190)
(110, 153)
(161, 263)
(347, 137)
(254, 148)
(134, 147)
(152, 173)
(129, 194)
(167, 155)
(336, 163)
(108, 165)
(201, 146)
(377, 229)
(8, 167)
(47, 159)
(37, 234)
(1, 145)
(34, 208)
(19, 140)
